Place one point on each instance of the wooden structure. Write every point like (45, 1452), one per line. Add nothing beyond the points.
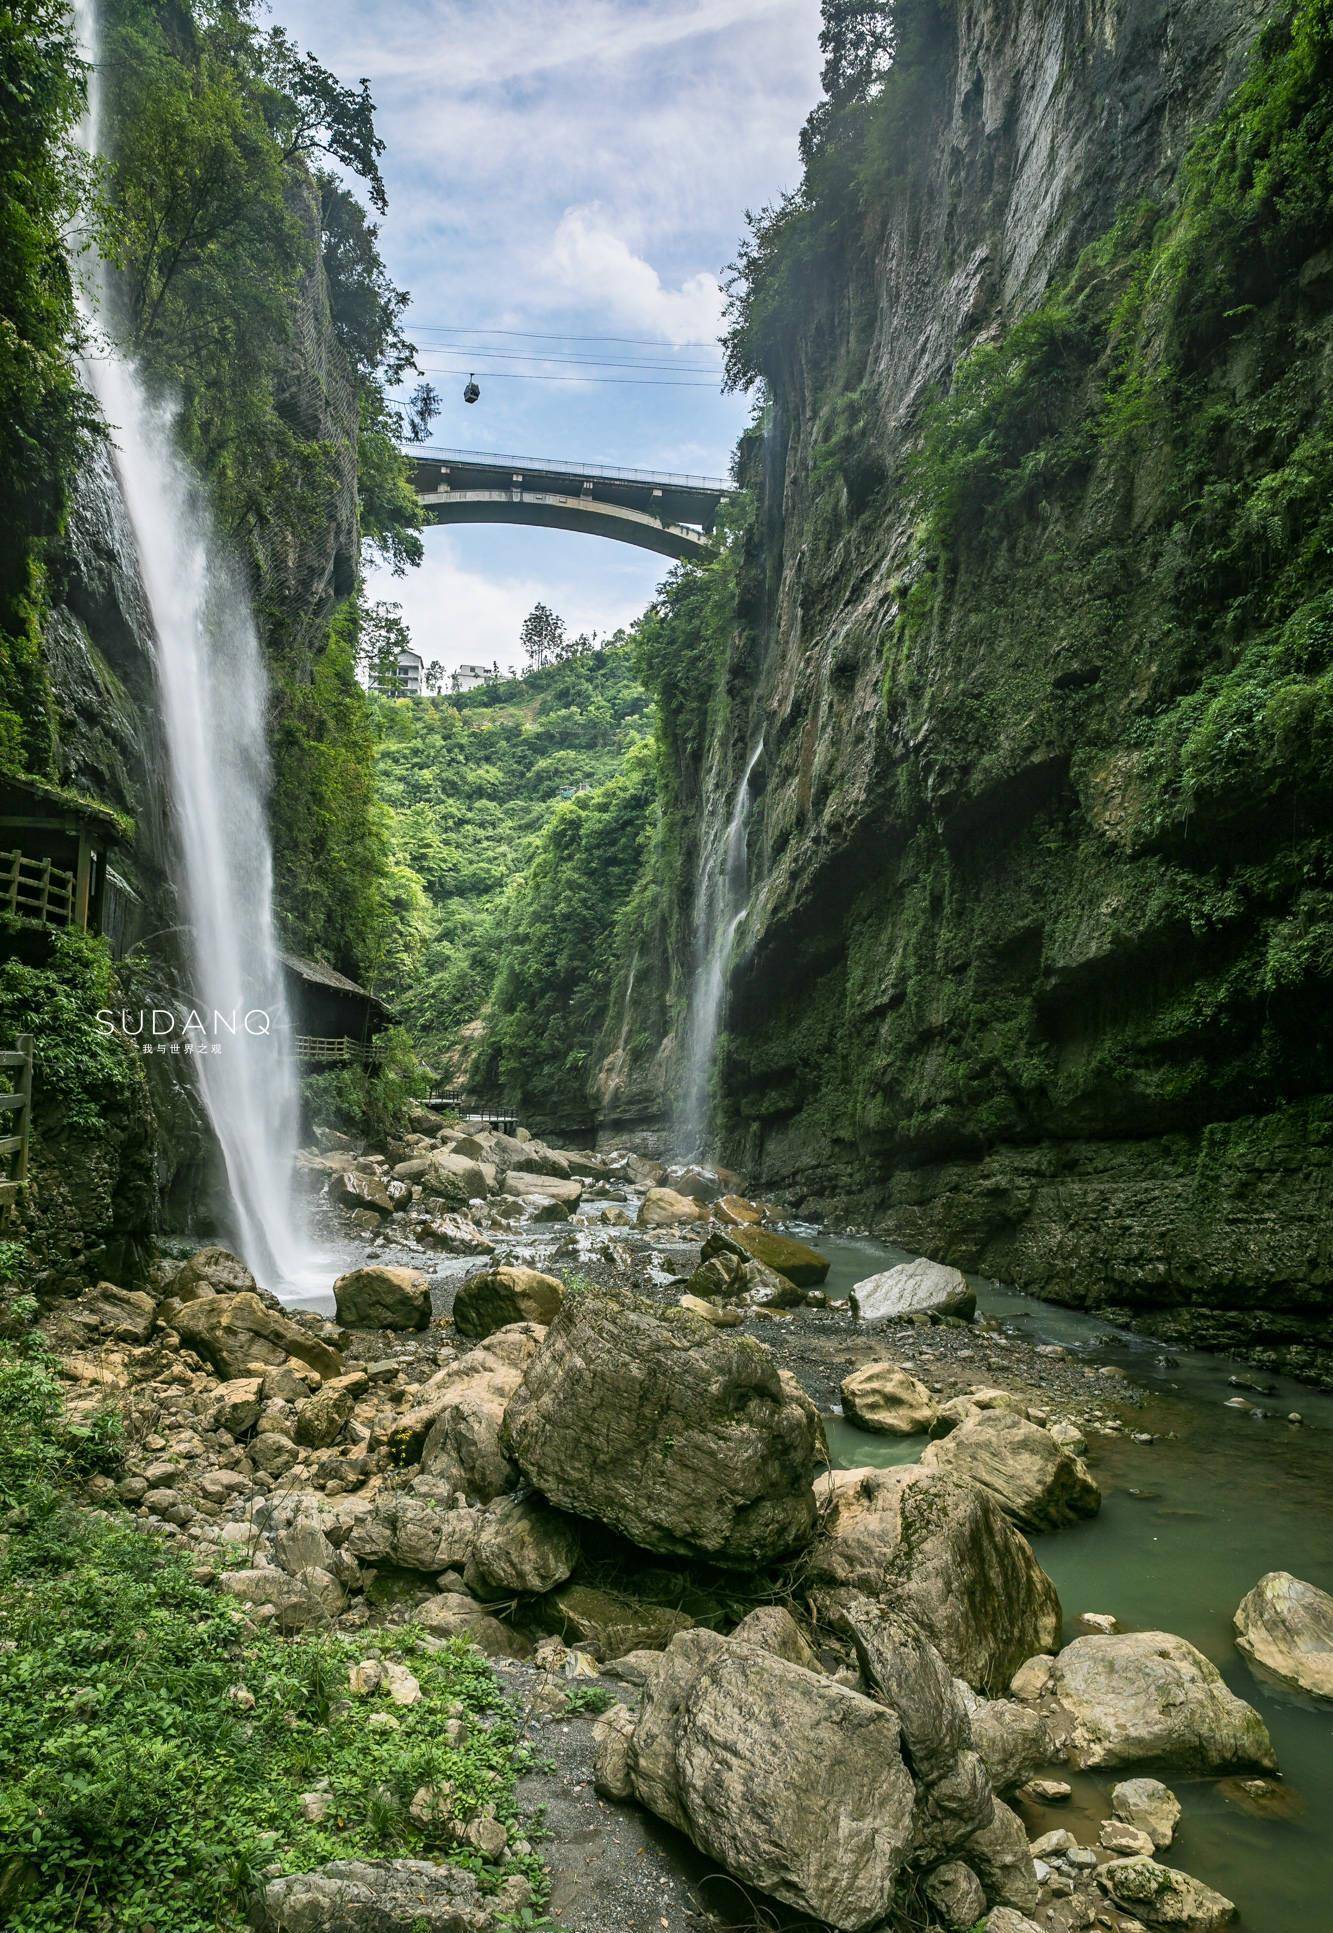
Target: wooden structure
(320, 1048)
(15, 1120)
(53, 853)
(336, 1021)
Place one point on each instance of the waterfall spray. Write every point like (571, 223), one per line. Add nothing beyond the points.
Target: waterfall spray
(721, 906)
(213, 695)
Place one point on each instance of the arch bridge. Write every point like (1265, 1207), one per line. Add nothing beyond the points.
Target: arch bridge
(672, 515)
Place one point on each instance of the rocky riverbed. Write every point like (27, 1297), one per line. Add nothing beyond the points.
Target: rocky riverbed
(750, 1553)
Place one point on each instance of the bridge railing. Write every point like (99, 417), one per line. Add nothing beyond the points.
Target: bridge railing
(469, 1107)
(488, 459)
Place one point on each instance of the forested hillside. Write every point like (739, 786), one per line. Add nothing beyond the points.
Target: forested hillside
(486, 792)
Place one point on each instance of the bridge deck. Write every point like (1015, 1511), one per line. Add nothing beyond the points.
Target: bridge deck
(655, 509)
(550, 466)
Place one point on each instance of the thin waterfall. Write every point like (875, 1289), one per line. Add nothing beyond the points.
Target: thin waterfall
(721, 905)
(213, 695)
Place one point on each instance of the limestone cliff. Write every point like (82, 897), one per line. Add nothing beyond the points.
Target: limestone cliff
(1035, 620)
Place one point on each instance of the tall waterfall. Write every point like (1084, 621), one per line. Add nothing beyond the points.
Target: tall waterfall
(720, 909)
(213, 695)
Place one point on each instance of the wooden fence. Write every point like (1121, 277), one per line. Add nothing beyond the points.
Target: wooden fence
(15, 1068)
(319, 1048)
(34, 889)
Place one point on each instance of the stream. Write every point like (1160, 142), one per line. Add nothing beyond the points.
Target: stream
(1187, 1526)
(1189, 1523)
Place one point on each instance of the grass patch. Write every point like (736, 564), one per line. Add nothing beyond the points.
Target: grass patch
(154, 1747)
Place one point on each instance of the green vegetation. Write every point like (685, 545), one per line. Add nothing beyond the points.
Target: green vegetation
(1103, 903)
(371, 1103)
(89, 1073)
(45, 422)
(155, 1746)
(559, 925)
(472, 784)
(251, 288)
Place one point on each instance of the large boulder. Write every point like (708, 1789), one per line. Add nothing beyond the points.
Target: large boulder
(1284, 1627)
(215, 1271)
(682, 1437)
(885, 1398)
(521, 1546)
(998, 1854)
(449, 1179)
(293, 1603)
(1147, 1698)
(322, 1418)
(773, 1628)
(663, 1208)
(514, 1156)
(453, 1429)
(703, 1184)
(919, 1542)
(1032, 1478)
(905, 1671)
(352, 1190)
(452, 1235)
(232, 1332)
(375, 1297)
(1148, 1806)
(919, 1288)
(1012, 1740)
(792, 1782)
(804, 1266)
(456, 1614)
(612, 1621)
(375, 1896)
(737, 1212)
(497, 1297)
(124, 1315)
(1162, 1897)
(414, 1534)
(553, 1187)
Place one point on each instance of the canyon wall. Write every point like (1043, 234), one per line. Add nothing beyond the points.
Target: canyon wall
(1034, 615)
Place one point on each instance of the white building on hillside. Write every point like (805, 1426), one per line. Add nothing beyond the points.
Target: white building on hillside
(468, 676)
(402, 677)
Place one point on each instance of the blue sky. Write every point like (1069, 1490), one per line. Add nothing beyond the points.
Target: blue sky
(577, 167)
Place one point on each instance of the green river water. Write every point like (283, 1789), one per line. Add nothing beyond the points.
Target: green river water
(1187, 1526)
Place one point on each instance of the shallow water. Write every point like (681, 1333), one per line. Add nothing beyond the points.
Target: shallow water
(1187, 1526)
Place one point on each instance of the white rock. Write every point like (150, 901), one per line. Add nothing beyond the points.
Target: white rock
(401, 1686)
(1284, 1629)
(1149, 1806)
(913, 1288)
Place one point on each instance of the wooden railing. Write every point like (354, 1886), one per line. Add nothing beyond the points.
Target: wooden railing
(16, 1078)
(317, 1047)
(34, 889)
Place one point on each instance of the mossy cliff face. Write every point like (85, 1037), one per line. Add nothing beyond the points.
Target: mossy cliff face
(248, 288)
(1041, 939)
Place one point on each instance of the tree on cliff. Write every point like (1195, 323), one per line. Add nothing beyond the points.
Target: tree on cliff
(857, 42)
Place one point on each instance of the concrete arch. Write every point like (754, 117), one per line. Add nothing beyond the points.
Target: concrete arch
(546, 510)
(671, 515)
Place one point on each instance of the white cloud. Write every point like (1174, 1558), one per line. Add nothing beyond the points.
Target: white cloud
(587, 253)
(581, 166)
(462, 612)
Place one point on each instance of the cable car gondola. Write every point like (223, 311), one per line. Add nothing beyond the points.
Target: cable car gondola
(471, 390)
